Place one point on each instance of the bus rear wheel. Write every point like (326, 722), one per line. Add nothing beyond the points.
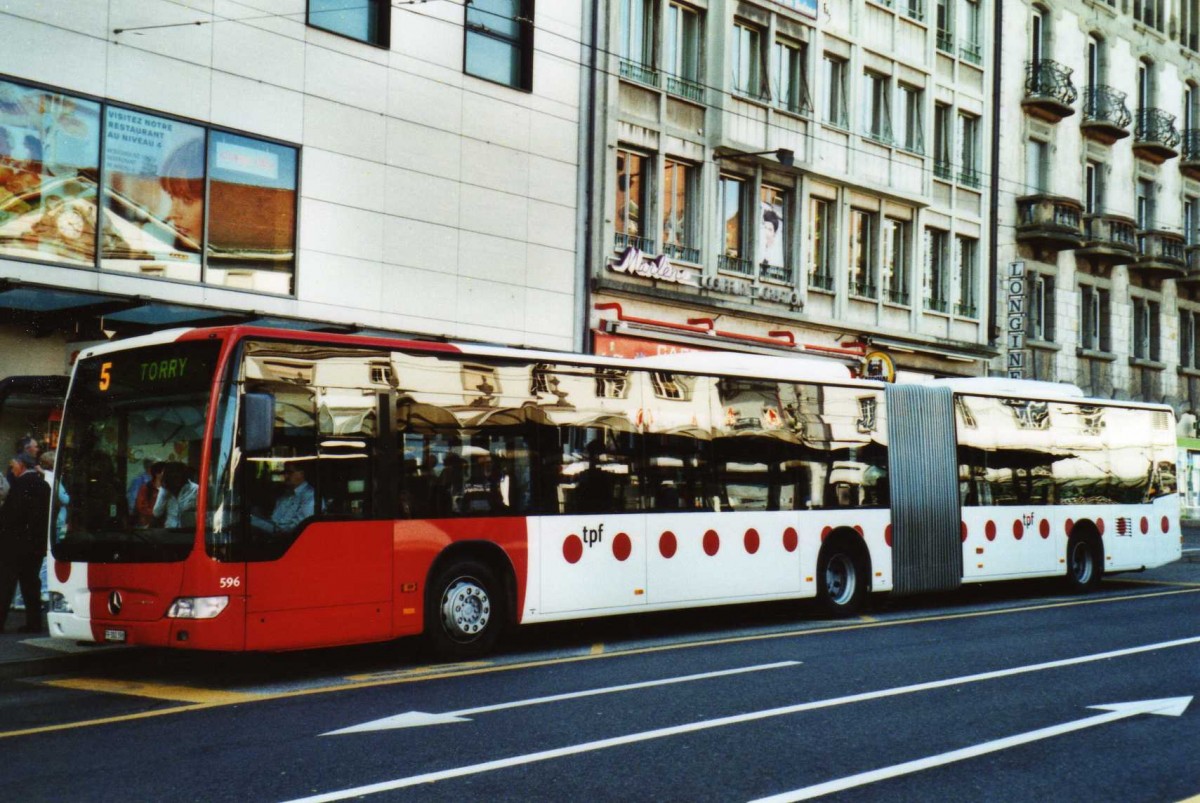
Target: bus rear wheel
(465, 611)
(841, 578)
(1084, 564)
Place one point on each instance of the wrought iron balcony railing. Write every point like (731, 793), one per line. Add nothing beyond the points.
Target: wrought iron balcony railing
(729, 264)
(1051, 80)
(1191, 144)
(685, 88)
(1155, 125)
(966, 310)
(1103, 104)
(971, 52)
(943, 169)
(945, 41)
(681, 252)
(775, 273)
(621, 241)
(896, 296)
(639, 72)
(863, 289)
(820, 281)
(936, 304)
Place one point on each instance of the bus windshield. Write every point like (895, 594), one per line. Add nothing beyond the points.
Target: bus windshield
(129, 454)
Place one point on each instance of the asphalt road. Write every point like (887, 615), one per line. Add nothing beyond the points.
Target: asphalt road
(985, 694)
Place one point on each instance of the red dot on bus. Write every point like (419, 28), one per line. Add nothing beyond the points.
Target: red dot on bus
(1166, 525)
(573, 548)
(62, 569)
(1068, 526)
(825, 533)
(887, 535)
(1145, 525)
(962, 531)
(1044, 528)
(858, 529)
(989, 530)
(751, 540)
(1100, 525)
(1018, 529)
(712, 542)
(622, 546)
(791, 540)
(667, 544)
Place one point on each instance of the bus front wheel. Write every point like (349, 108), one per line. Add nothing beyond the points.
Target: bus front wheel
(464, 611)
(1084, 563)
(841, 578)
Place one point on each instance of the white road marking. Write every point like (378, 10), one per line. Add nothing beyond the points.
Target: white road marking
(1168, 707)
(737, 719)
(417, 718)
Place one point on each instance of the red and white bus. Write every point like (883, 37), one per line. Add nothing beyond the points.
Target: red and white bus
(325, 489)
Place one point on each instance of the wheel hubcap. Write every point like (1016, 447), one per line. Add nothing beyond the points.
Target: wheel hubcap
(840, 579)
(1081, 563)
(466, 609)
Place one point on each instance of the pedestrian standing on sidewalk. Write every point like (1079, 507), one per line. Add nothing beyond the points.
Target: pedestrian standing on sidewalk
(24, 520)
(27, 445)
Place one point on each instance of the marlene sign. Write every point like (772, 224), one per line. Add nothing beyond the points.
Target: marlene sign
(635, 263)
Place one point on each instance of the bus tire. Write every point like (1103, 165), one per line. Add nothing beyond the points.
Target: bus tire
(842, 577)
(1085, 563)
(465, 611)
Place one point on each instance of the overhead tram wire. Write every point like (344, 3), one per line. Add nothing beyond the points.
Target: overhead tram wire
(1017, 187)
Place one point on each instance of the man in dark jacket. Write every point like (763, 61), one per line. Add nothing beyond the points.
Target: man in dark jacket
(24, 523)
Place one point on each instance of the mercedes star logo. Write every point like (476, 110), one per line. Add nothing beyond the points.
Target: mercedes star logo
(114, 603)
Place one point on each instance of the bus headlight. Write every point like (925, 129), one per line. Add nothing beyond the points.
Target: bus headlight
(59, 604)
(197, 607)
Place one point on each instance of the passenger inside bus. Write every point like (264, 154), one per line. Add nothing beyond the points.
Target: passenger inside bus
(296, 503)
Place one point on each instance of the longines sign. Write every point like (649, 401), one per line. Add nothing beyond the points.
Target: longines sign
(635, 263)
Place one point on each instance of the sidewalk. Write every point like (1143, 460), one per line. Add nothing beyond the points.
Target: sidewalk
(26, 654)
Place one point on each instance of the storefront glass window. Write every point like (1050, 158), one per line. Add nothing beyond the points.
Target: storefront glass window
(252, 213)
(49, 160)
(153, 195)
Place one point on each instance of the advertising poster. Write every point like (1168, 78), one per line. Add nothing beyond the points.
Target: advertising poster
(771, 237)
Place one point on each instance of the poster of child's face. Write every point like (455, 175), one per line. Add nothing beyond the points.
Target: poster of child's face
(154, 170)
(771, 236)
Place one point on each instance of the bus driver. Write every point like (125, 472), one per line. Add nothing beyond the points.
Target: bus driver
(297, 503)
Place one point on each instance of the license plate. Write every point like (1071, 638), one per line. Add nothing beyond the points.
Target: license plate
(114, 635)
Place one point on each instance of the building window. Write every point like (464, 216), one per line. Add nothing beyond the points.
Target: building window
(877, 107)
(637, 41)
(791, 77)
(835, 105)
(1149, 13)
(631, 202)
(365, 20)
(896, 257)
(936, 279)
(944, 19)
(499, 42)
(1189, 27)
(1094, 316)
(1190, 221)
(1145, 329)
(746, 61)
(1041, 307)
(1188, 358)
(910, 129)
(733, 210)
(1144, 204)
(942, 142)
(1093, 188)
(681, 52)
(914, 9)
(1036, 167)
(680, 208)
(968, 153)
(972, 46)
(820, 244)
(968, 271)
(862, 249)
(773, 236)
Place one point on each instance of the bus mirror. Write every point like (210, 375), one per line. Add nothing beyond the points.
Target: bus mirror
(258, 421)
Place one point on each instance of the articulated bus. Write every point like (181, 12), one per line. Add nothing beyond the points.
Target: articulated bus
(320, 490)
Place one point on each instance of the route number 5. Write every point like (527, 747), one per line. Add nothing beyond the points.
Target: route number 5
(105, 375)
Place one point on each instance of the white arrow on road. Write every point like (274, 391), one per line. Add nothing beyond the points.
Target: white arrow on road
(1167, 707)
(411, 719)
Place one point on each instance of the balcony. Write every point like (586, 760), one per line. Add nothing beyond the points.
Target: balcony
(775, 273)
(1049, 222)
(685, 88)
(1106, 118)
(1189, 165)
(635, 71)
(1191, 255)
(1049, 91)
(732, 264)
(1155, 137)
(1108, 240)
(1160, 254)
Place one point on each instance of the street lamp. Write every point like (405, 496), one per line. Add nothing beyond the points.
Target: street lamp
(786, 156)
